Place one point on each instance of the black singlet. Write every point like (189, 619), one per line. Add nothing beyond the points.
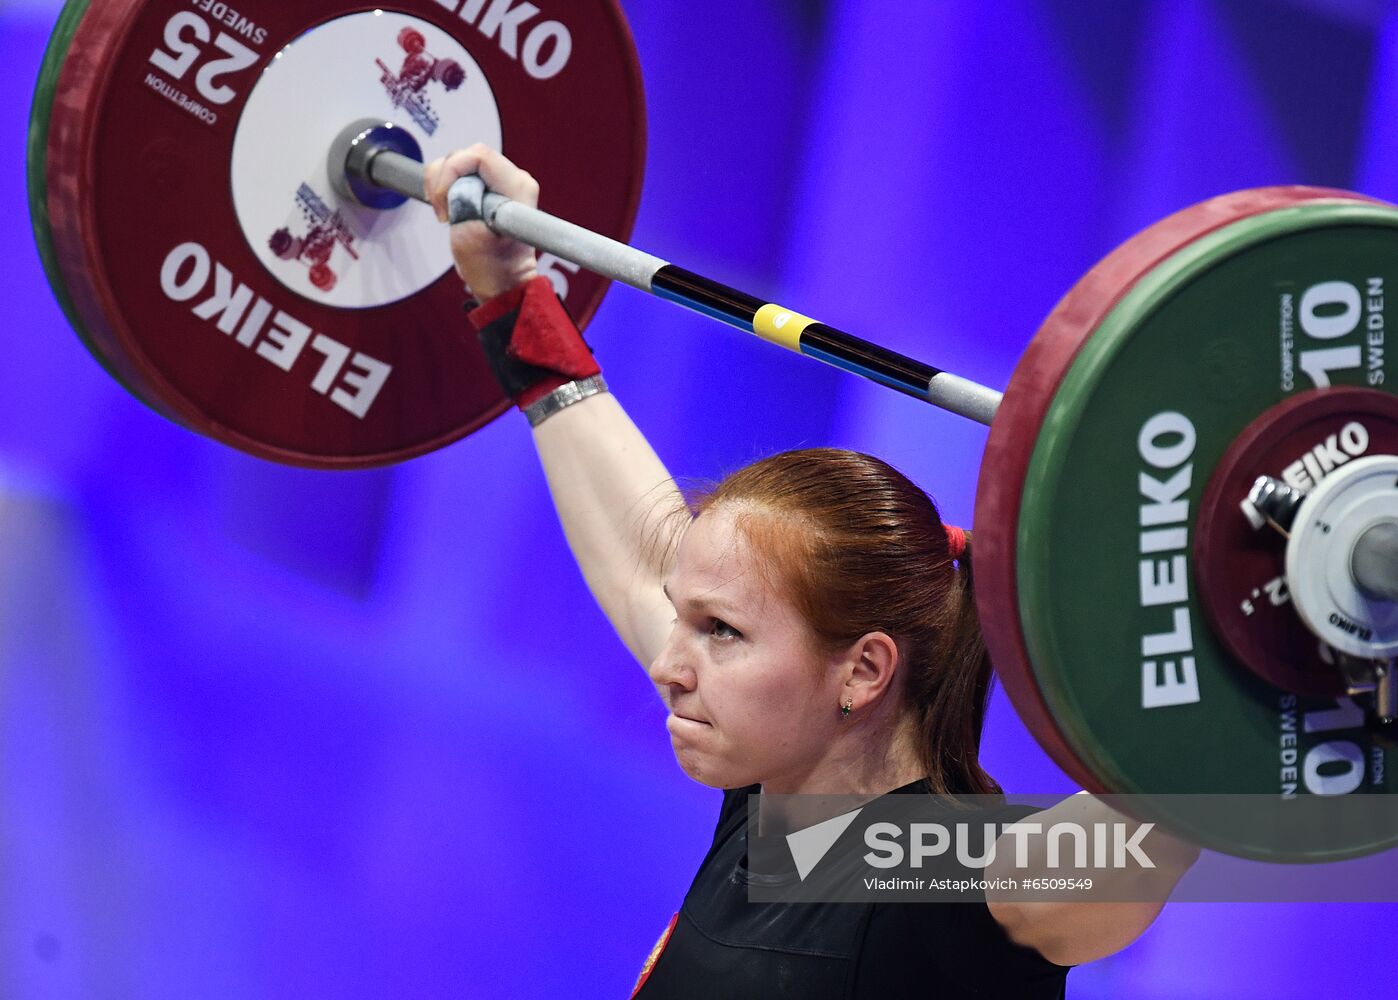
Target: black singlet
(722, 945)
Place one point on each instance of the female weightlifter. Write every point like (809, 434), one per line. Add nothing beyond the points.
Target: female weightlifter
(809, 625)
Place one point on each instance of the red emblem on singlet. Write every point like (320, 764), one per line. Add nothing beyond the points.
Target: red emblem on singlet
(655, 955)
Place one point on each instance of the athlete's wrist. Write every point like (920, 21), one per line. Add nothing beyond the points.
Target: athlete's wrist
(531, 343)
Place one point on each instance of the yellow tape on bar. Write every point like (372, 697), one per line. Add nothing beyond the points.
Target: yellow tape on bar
(780, 326)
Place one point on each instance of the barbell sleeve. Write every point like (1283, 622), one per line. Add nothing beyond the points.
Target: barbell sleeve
(1374, 561)
(469, 200)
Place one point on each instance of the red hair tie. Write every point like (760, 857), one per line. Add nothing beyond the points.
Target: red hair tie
(956, 541)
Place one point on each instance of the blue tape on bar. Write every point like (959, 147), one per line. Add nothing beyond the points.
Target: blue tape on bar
(911, 388)
(699, 307)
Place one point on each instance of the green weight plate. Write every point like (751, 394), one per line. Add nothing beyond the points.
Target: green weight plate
(40, 115)
(1212, 337)
(1037, 376)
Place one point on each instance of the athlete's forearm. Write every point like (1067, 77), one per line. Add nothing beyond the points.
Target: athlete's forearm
(1072, 932)
(621, 513)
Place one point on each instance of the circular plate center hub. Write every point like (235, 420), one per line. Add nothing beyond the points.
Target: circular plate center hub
(1242, 576)
(313, 241)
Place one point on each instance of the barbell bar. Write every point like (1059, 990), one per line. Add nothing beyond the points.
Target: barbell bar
(363, 151)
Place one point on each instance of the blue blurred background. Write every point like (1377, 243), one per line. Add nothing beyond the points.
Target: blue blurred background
(267, 732)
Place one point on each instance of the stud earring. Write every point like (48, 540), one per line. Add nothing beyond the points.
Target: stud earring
(846, 707)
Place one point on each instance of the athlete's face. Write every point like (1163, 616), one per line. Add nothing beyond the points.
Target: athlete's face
(752, 698)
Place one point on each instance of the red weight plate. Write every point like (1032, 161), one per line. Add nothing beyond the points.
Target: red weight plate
(1240, 569)
(213, 266)
(1017, 425)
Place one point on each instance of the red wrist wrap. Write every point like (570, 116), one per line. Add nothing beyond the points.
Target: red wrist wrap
(543, 349)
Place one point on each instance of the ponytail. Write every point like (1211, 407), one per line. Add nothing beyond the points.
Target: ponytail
(951, 701)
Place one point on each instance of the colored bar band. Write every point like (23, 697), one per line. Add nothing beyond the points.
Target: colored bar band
(780, 326)
(793, 331)
(703, 295)
(886, 367)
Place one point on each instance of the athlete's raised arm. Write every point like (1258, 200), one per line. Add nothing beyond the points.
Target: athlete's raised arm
(619, 507)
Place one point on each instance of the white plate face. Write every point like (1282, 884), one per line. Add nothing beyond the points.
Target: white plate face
(374, 64)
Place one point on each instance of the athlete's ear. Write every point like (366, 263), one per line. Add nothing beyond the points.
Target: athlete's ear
(867, 668)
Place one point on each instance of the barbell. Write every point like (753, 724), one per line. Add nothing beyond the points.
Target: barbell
(1187, 508)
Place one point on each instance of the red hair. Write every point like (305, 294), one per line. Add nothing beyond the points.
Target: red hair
(859, 548)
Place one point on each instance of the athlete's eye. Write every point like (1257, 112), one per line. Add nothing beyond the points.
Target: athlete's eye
(720, 629)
